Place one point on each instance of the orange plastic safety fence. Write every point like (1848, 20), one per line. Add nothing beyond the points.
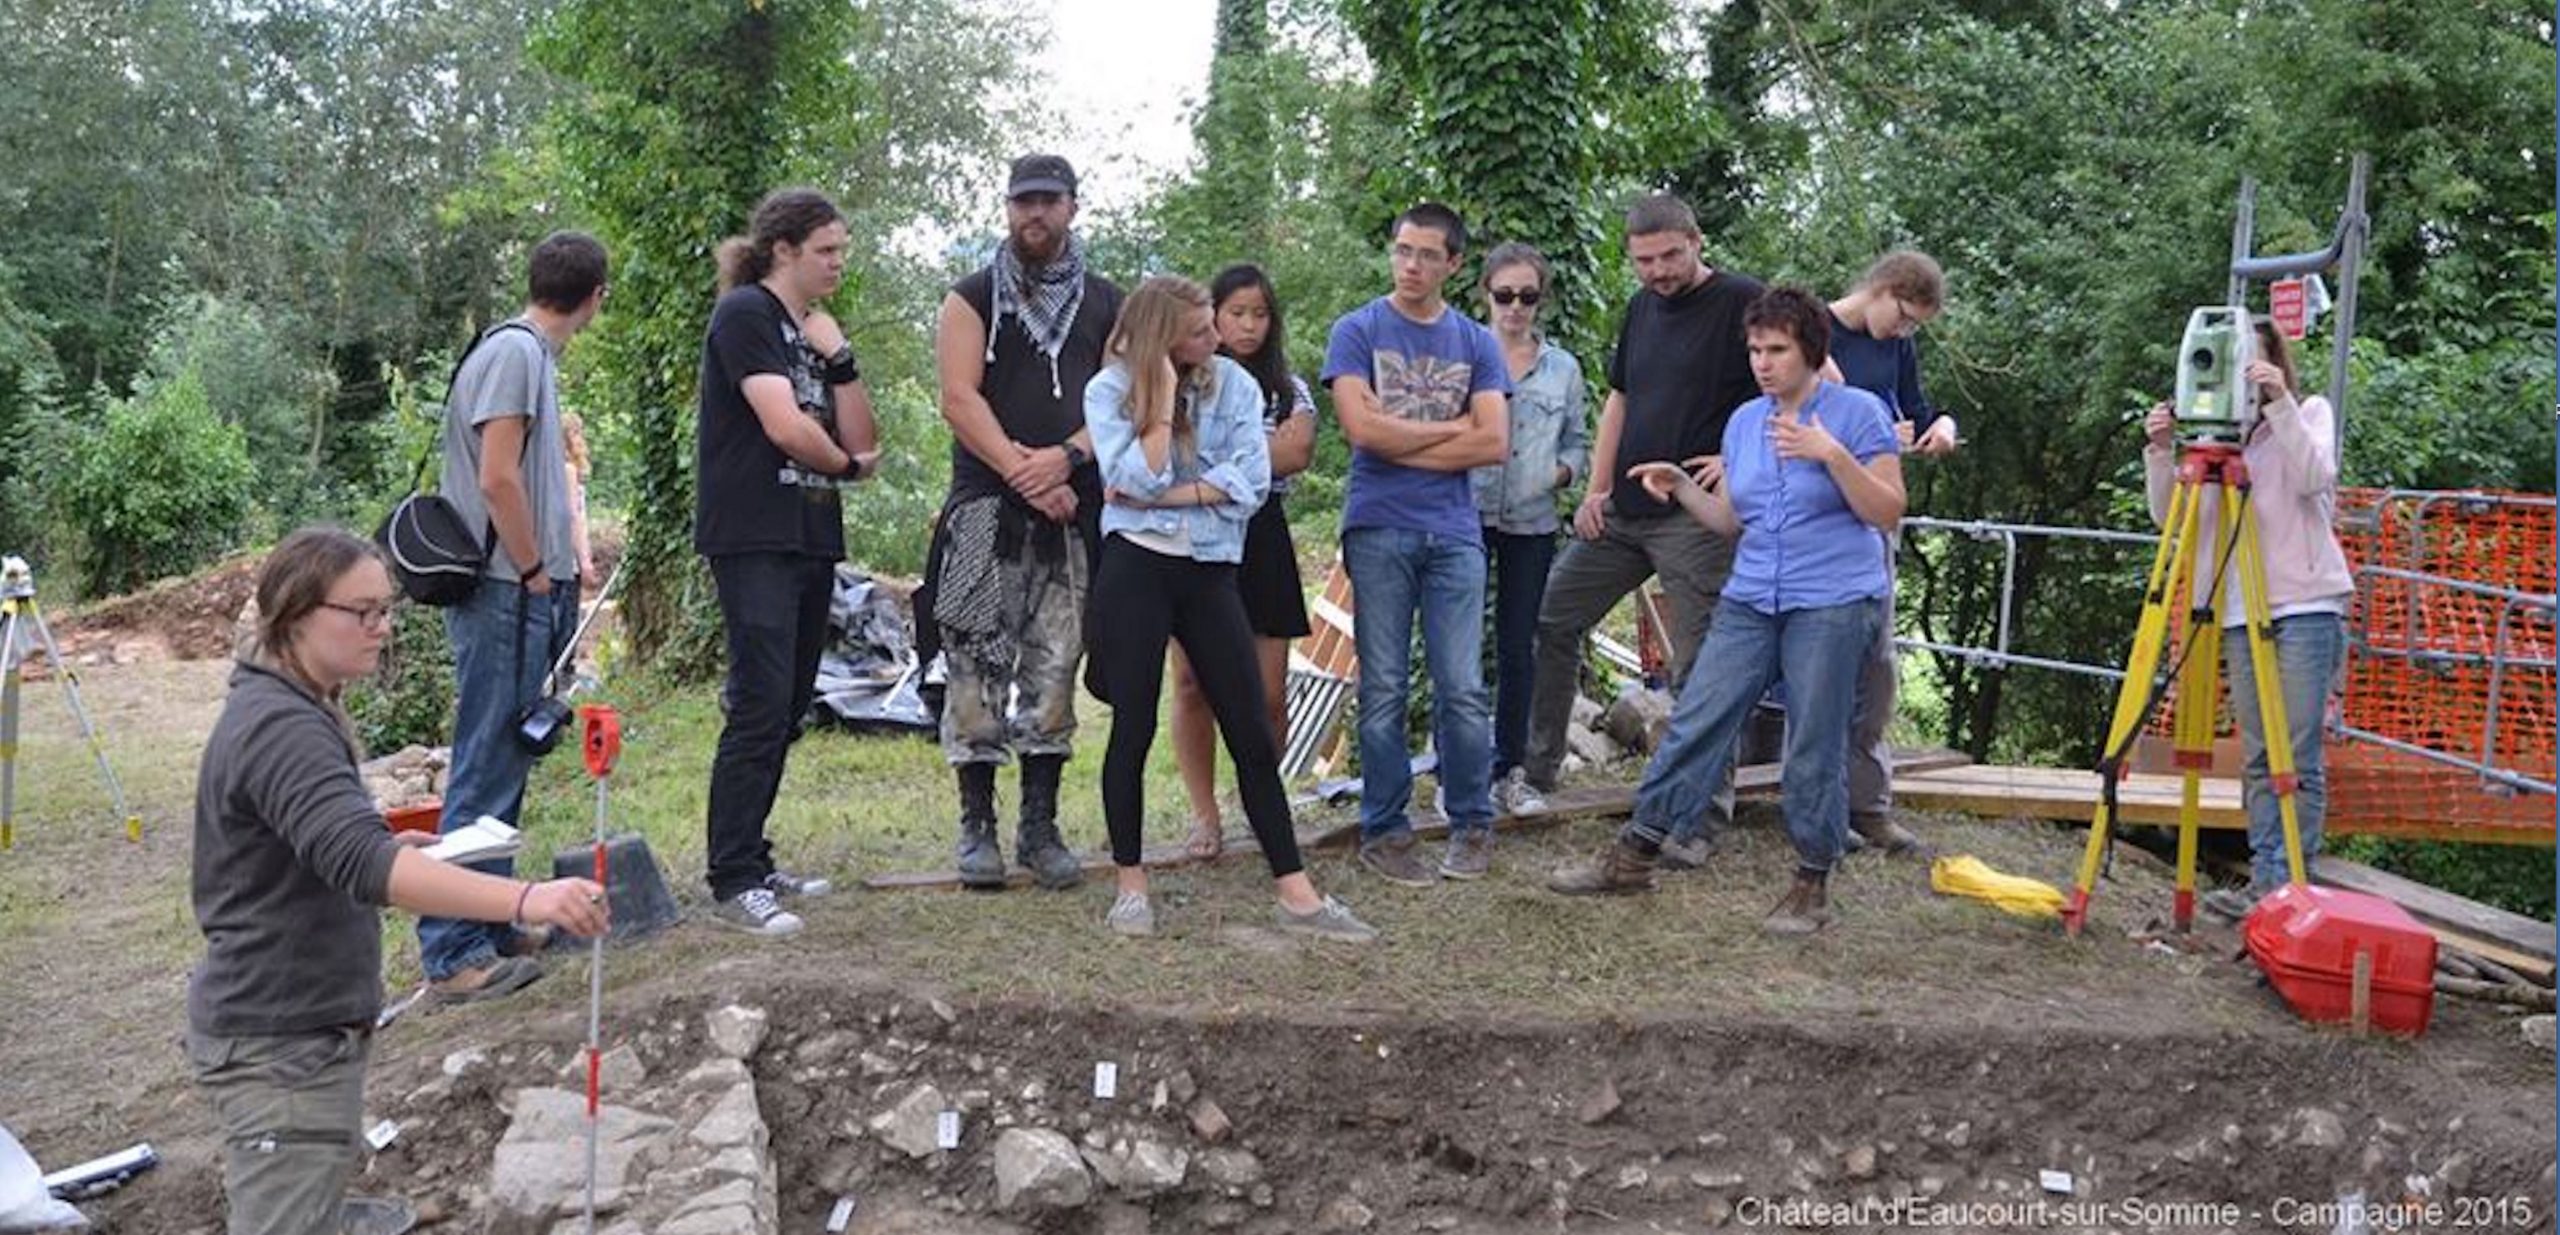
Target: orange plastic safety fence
(2443, 667)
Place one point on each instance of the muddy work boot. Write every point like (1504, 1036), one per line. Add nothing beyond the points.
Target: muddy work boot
(1039, 848)
(1625, 867)
(1806, 908)
(981, 860)
(1882, 834)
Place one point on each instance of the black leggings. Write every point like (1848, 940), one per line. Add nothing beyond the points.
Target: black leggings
(1140, 599)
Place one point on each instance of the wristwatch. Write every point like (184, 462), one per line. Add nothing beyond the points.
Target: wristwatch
(1076, 457)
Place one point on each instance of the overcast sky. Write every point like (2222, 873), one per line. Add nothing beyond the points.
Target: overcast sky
(1125, 75)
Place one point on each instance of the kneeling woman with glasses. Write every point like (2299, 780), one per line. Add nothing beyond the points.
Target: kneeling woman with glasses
(1177, 431)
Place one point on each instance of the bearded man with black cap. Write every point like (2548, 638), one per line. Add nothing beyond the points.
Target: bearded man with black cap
(1015, 345)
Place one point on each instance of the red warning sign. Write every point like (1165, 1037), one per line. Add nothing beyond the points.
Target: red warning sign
(2285, 305)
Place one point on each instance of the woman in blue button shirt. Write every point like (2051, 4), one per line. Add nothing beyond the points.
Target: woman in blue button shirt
(1810, 472)
(1550, 448)
(1177, 431)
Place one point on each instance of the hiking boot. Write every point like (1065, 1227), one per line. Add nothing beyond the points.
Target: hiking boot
(1621, 869)
(1885, 836)
(499, 978)
(1470, 854)
(1037, 846)
(1686, 853)
(1806, 908)
(757, 912)
(1331, 920)
(1131, 916)
(1391, 858)
(1516, 797)
(788, 886)
(981, 861)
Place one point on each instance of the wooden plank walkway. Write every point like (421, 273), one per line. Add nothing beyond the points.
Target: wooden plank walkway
(2071, 794)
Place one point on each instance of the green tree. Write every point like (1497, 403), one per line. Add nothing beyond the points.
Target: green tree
(683, 115)
(162, 490)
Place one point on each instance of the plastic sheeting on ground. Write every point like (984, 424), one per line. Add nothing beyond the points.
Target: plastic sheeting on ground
(868, 677)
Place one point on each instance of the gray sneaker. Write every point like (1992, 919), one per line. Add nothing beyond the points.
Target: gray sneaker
(1470, 854)
(786, 885)
(1686, 853)
(756, 912)
(1131, 916)
(1517, 797)
(1331, 920)
(1391, 858)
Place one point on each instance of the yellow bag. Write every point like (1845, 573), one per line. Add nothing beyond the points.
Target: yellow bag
(1967, 875)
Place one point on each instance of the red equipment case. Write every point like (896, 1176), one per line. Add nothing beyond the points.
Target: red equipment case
(2306, 940)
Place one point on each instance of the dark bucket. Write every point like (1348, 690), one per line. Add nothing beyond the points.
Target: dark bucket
(635, 890)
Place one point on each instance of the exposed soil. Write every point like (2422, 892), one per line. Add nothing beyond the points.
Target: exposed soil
(1510, 1125)
(187, 618)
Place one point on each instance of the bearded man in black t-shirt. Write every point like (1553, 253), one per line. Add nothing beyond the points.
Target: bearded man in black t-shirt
(1016, 343)
(1679, 369)
(784, 422)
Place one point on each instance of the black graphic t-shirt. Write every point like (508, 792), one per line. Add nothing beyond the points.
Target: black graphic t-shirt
(753, 498)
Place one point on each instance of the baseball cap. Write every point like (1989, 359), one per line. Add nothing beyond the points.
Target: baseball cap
(1041, 173)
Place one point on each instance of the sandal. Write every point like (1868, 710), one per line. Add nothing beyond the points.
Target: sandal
(1206, 842)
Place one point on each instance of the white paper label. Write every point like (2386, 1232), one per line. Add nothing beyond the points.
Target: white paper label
(841, 1216)
(381, 1134)
(2056, 1182)
(1106, 1081)
(946, 1130)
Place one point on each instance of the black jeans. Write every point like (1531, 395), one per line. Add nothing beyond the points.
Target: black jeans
(1140, 599)
(1520, 565)
(773, 610)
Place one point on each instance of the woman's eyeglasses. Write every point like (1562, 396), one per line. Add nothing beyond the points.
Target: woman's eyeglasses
(1507, 296)
(374, 617)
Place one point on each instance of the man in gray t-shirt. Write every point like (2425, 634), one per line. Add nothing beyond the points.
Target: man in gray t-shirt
(506, 471)
(512, 374)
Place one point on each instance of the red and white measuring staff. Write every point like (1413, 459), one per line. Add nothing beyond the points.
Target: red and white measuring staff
(602, 740)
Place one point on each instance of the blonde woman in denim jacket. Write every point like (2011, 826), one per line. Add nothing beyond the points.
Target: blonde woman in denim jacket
(1550, 451)
(2292, 453)
(1178, 435)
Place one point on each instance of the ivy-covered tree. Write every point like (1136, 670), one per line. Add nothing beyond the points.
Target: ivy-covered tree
(1237, 179)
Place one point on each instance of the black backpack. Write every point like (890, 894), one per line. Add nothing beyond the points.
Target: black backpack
(435, 556)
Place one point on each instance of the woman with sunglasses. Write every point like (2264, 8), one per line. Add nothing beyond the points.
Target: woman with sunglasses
(1873, 348)
(1550, 450)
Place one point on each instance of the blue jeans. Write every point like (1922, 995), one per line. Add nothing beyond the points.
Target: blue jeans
(1394, 573)
(1520, 565)
(487, 777)
(2309, 647)
(1820, 652)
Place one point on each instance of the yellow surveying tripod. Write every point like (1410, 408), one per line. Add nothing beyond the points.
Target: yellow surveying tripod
(2216, 468)
(22, 628)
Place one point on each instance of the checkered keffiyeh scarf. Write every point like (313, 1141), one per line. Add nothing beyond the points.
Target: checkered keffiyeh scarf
(1043, 300)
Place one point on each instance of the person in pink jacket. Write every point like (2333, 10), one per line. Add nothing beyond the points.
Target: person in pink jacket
(2291, 449)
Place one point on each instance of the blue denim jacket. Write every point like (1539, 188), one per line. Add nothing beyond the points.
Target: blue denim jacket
(1547, 431)
(1233, 454)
